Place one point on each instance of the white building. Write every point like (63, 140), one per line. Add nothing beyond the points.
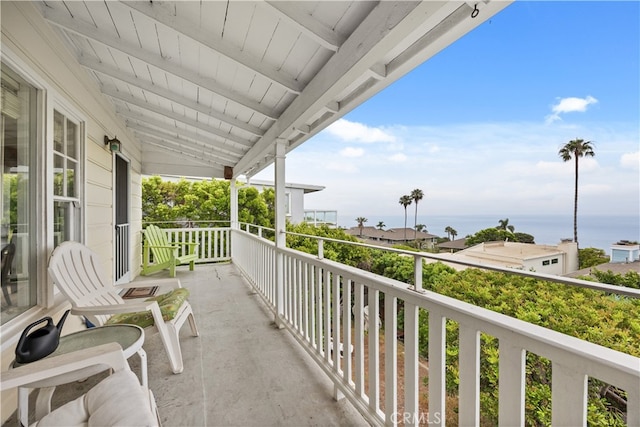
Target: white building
(558, 260)
(625, 251)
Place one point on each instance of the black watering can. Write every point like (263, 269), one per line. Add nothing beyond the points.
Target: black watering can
(41, 342)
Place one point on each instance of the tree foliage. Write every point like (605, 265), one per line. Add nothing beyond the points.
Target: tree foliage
(590, 257)
(494, 234)
(176, 202)
(355, 256)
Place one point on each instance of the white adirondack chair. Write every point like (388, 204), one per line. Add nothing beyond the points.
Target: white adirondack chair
(117, 400)
(75, 269)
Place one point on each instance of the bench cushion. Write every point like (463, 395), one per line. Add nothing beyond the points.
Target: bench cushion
(169, 303)
(118, 400)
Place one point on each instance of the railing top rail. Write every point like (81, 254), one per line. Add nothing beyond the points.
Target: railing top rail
(604, 287)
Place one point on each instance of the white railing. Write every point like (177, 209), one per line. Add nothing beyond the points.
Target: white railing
(322, 303)
(214, 244)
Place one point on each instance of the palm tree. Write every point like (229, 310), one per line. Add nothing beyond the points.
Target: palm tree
(416, 196)
(449, 231)
(575, 149)
(405, 201)
(380, 225)
(454, 233)
(421, 227)
(503, 224)
(361, 220)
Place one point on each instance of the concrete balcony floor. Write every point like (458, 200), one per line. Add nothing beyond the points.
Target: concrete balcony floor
(240, 371)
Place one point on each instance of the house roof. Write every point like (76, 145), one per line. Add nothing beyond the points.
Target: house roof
(454, 244)
(392, 234)
(207, 86)
(307, 188)
(614, 267)
(509, 254)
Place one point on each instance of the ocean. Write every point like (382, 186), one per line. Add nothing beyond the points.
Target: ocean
(594, 231)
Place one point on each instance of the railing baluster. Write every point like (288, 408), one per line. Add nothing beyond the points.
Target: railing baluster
(346, 330)
(411, 367)
(469, 389)
(358, 340)
(326, 286)
(311, 304)
(391, 359)
(319, 310)
(335, 324)
(511, 384)
(374, 350)
(437, 365)
(568, 390)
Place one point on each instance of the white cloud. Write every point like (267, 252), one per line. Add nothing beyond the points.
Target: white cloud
(505, 168)
(358, 132)
(630, 160)
(398, 158)
(351, 152)
(569, 105)
(349, 168)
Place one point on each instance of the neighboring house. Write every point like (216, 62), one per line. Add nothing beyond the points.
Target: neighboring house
(558, 260)
(394, 236)
(625, 251)
(621, 268)
(624, 258)
(453, 245)
(294, 197)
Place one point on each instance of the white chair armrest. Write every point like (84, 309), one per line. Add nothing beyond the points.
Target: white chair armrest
(127, 307)
(108, 355)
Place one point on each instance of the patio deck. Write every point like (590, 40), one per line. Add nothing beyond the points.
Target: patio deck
(241, 371)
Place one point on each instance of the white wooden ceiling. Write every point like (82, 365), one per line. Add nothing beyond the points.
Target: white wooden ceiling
(208, 84)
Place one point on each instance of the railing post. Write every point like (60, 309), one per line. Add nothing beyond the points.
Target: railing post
(320, 249)
(417, 272)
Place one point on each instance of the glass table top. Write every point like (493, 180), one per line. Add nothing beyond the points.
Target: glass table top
(129, 337)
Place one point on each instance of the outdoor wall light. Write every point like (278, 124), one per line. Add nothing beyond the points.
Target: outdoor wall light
(114, 144)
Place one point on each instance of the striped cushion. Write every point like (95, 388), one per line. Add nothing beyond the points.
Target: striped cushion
(169, 303)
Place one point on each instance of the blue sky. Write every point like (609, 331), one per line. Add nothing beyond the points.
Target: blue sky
(478, 127)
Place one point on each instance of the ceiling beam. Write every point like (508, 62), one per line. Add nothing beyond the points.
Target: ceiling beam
(130, 99)
(311, 27)
(88, 31)
(129, 116)
(167, 94)
(198, 156)
(228, 159)
(217, 44)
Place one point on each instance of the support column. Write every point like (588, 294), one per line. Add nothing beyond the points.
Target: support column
(233, 198)
(233, 211)
(280, 226)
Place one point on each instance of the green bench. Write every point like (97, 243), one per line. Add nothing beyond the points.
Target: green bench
(165, 254)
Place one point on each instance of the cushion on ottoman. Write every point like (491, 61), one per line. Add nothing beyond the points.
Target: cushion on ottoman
(169, 303)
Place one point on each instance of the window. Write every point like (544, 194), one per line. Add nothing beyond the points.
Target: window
(554, 261)
(18, 151)
(287, 204)
(67, 221)
(545, 262)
